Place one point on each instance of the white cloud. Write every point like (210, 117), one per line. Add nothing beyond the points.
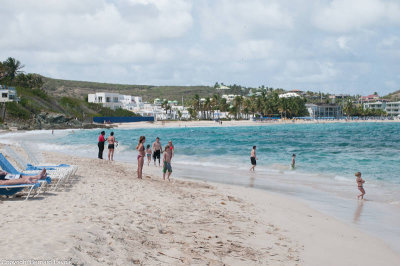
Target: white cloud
(239, 19)
(342, 42)
(56, 25)
(350, 15)
(324, 44)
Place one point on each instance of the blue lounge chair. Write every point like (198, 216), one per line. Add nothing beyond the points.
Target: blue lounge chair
(60, 173)
(8, 167)
(9, 190)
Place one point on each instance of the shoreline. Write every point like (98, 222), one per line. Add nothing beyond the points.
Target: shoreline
(110, 216)
(202, 123)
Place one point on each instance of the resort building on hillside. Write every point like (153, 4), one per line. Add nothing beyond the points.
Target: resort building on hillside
(325, 110)
(229, 97)
(289, 95)
(370, 98)
(338, 96)
(298, 92)
(116, 100)
(7, 94)
(135, 104)
(391, 108)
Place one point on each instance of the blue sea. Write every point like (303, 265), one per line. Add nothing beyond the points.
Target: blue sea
(335, 150)
(327, 156)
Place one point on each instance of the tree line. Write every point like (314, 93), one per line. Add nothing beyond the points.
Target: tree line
(266, 104)
(11, 74)
(351, 109)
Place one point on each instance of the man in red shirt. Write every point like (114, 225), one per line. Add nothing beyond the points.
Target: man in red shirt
(101, 144)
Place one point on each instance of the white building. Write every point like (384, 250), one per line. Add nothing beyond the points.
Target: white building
(324, 110)
(7, 94)
(229, 97)
(391, 108)
(116, 100)
(110, 100)
(289, 95)
(135, 104)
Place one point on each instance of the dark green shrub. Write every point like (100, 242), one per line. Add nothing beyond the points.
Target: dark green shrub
(18, 111)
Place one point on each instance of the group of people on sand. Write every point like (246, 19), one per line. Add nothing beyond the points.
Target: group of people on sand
(155, 152)
(112, 143)
(359, 180)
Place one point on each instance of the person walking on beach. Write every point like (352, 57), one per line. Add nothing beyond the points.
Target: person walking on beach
(293, 160)
(253, 158)
(100, 144)
(167, 162)
(140, 157)
(111, 143)
(360, 183)
(157, 149)
(148, 153)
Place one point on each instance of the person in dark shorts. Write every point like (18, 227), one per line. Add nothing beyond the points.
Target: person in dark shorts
(157, 151)
(111, 146)
(101, 144)
(253, 158)
(167, 162)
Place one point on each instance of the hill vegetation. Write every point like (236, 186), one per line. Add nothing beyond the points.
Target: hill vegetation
(394, 96)
(36, 104)
(80, 89)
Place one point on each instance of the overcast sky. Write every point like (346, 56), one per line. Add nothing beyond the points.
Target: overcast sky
(341, 46)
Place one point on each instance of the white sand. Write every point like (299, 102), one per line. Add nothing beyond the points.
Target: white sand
(110, 217)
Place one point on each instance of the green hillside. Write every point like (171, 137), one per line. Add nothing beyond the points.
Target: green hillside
(80, 89)
(394, 96)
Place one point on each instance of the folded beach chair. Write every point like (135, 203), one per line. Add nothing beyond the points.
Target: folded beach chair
(32, 158)
(25, 165)
(34, 163)
(9, 190)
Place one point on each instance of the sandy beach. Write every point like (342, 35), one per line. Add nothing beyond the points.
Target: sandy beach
(109, 217)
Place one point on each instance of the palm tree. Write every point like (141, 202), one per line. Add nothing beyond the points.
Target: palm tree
(348, 108)
(2, 70)
(247, 104)
(196, 103)
(215, 104)
(237, 103)
(207, 107)
(13, 68)
(165, 106)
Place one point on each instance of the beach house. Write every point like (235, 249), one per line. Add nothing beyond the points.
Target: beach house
(7, 94)
(391, 108)
(107, 99)
(325, 110)
(289, 95)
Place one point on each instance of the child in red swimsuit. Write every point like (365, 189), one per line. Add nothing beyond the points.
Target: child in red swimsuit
(360, 183)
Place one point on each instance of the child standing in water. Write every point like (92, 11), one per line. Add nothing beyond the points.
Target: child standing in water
(293, 160)
(148, 153)
(253, 158)
(360, 183)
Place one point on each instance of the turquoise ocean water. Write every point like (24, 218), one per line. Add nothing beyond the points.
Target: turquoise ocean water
(336, 150)
(327, 156)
